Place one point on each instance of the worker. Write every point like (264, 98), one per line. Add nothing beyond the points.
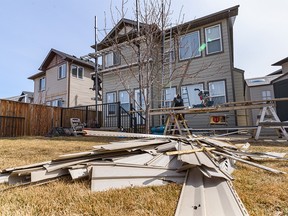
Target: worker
(178, 101)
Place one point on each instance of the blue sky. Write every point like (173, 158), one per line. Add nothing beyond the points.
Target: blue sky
(30, 28)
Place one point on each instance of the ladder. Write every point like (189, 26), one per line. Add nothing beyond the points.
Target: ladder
(176, 122)
(185, 96)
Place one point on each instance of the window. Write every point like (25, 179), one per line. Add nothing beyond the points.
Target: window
(56, 103)
(77, 72)
(124, 100)
(62, 71)
(217, 92)
(213, 39)
(42, 84)
(190, 95)
(140, 116)
(189, 46)
(169, 94)
(266, 95)
(111, 59)
(111, 99)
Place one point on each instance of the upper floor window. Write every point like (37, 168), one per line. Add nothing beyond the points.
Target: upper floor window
(217, 91)
(213, 39)
(266, 95)
(62, 71)
(42, 84)
(189, 46)
(77, 71)
(111, 59)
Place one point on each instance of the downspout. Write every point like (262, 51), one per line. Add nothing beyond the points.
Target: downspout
(231, 56)
(68, 87)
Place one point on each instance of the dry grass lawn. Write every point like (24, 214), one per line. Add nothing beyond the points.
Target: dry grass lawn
(263, 193)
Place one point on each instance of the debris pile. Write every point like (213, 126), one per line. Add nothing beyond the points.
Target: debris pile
(203, 165)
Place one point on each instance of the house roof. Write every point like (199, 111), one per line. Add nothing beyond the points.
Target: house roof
(214, 17)
(259, 81)
(52, 53)
(276, 72)
(281, 62)
(107, 41)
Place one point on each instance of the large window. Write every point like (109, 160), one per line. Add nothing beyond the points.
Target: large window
(124, 100)
(111, 59)
(217, 91)
(190, 94)
(189, 46)
(169, 94)
(42, 84)
(62, 71)
(213, 39)
(77, 71)
(111, 99)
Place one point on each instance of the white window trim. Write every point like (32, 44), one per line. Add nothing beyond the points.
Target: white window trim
(218, 38)
(63, 73)
(42, 87)
(77, 75)
(199, 44)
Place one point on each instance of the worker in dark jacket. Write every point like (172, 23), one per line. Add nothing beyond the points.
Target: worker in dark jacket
(178, 101)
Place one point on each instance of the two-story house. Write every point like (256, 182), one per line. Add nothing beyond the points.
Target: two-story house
(198, 54)
(64, 80)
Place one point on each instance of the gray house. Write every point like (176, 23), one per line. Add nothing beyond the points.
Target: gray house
(273, 85)
(197, 54)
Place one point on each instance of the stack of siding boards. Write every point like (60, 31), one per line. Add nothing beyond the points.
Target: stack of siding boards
(202, 164)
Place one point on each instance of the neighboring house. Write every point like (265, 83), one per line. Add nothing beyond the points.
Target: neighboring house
(64, 80)
(274, 85)
(206, 42)
(25, 96)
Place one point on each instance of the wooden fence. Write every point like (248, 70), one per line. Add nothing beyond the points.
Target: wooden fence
(23, 119)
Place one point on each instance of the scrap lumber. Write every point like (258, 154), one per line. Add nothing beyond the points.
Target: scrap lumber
(202, 164)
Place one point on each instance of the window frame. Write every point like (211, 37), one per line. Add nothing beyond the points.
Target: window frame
(167, 102)
(220, 38)
(42, 84)
(111, 106)
(62, 71)
(193, 93)
(197, 49)
(265, 95)
(121, 103)
(77, 75)
(115, 59)
(225, 91)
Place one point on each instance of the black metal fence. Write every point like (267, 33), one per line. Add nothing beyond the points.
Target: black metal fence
(109, 116)
(11, 126)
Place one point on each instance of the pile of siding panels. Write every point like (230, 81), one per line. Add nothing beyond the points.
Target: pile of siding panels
(203, 165)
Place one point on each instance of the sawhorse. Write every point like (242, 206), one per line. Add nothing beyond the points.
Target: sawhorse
(176, 122)
(272, 122)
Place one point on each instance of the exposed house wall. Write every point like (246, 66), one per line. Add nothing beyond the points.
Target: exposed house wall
(80, 92)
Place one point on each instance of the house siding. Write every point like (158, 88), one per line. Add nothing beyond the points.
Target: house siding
(80, 92)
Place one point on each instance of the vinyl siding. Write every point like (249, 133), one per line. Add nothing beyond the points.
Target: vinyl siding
(80, 92)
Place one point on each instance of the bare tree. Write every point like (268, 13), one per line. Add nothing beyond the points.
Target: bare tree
(147, 47)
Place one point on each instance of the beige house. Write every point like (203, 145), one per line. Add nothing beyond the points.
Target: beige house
(197, 54)
(64, 80)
